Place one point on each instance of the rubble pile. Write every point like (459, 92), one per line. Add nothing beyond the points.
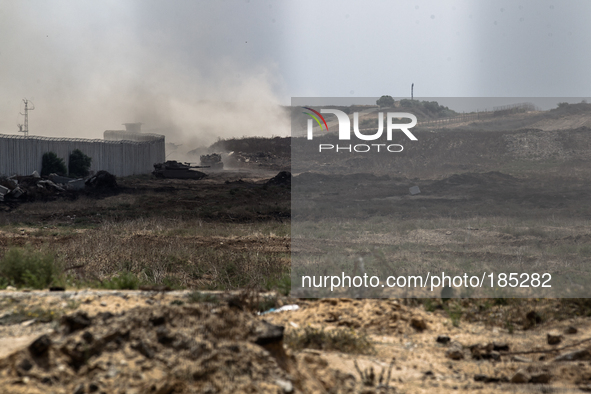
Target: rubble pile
(258, 159)
(102, 180)
(35, 187)
(172, 349)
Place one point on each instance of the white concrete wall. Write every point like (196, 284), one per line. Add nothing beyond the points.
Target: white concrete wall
(22, 155)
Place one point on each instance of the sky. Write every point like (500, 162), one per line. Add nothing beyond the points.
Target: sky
(199, 71)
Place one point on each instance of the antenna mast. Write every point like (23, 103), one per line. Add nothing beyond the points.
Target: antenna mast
(25, 128)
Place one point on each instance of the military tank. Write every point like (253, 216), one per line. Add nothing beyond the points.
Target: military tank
(174, 170)
(213, 161)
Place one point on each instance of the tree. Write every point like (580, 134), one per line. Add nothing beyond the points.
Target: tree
(51, 164)
(385, 101)
(79, 164)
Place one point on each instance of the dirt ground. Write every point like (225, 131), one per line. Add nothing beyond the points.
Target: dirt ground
(211, 257)
(146, 341)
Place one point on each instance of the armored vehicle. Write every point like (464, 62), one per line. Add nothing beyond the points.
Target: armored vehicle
(174, 170)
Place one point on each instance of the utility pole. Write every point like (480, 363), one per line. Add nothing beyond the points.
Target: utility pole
(25, 128)
(412, 87)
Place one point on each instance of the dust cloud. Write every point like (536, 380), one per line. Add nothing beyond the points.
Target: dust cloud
(183, 71)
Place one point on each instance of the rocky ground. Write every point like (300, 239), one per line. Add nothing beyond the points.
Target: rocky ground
(185, 342)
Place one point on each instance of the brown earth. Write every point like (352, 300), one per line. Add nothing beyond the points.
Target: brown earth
(503, 196)
(138, 342)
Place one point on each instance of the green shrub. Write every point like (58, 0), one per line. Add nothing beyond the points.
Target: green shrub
(124, 281)
(79, 164)
(342, 340)
(51, 164)
(281, 284)
(385, 101)
(27, 268)
(198, 297)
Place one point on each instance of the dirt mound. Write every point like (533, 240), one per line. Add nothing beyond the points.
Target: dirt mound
(103, 180)
(279, 146)
(314, 177)
(372, 316)
(205, 348)
(283, 178)
(493, 179)
(477, 179)
(173, 349)
(259, 160)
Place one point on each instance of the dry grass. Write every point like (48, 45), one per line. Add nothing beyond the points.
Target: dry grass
(498, 244)
(168, 252)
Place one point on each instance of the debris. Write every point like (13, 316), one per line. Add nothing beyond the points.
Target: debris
(554, 338)
(577, 355)
(571, 330)
(489, 379)
(16, 192)
(76, 184)
(259, 159)
(485, 352)
(268, 333)
(40, 346)
(35, 174)
(285, 385)
(102, 180)
(59, 179)
(12, 183)
(520, 376)
(418, 323)
(414, 190)
(284, 308)
(32, 188)
(442, 339)
(520, 359)
(50, 184)
(540, 378)
(456, 351)
(28, 322)
(532, 318)
(500, 346)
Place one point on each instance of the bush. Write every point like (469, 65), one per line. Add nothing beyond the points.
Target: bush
(282, 284)
(79, 164)
(198, 297)
(26, 268)
(125, 281)
(51, 164)
(406, 103)
(385, 101)
(342, 340)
